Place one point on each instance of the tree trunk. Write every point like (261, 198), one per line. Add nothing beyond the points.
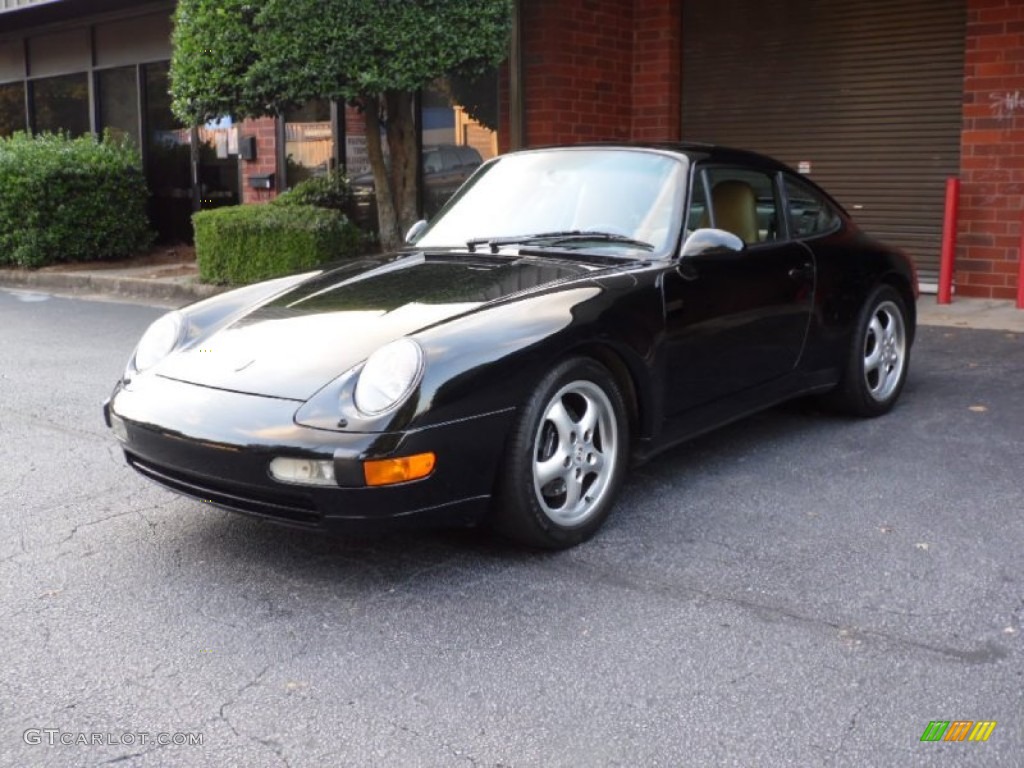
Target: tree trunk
(387, 221)
(401, 132)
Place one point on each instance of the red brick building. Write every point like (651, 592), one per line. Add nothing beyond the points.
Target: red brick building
(879, 100)
(992, 149)
(614, 69)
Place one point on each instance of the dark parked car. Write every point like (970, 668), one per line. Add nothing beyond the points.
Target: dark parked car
(445, 167)
(569, 312)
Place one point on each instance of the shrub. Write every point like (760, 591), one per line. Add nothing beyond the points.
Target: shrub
(334, 191)
(329, 191)
(64, 199)
(247, 243)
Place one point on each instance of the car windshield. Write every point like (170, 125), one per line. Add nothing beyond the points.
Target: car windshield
(622, 201)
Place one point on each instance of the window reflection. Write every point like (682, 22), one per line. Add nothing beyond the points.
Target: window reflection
(12, 108)
(218, 168)
(436, 282)
(460, 132)
(308, 141)
(168, 159)
(61, 104)
(118, 98)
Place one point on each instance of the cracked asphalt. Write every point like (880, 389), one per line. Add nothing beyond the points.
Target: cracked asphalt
(794, 590)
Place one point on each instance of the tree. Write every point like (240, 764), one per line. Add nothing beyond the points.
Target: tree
(248, 59)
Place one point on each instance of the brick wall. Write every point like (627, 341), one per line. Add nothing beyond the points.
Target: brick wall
(992, 150)
(600, 70)
(577, 68)
(265, 131)
(657, 70)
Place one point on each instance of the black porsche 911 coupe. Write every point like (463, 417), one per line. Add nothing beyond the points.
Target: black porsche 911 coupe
(570, 311)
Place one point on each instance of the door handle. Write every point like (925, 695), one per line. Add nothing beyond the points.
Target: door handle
(805, 272)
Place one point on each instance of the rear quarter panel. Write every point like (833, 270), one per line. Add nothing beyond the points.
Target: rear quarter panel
(849, 266)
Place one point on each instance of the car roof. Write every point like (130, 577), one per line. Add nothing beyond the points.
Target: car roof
(726, 155)
(698, 151)
(692, 149)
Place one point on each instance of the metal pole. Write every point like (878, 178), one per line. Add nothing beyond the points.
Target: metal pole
(949, 241)
(1020, 272)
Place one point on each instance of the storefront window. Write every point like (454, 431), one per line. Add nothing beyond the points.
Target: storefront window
(218, 164)
(12, 108)
(168, 154)
(357, 156)
(118, 99)
(460, 131)
(308, 142)
(61, 104)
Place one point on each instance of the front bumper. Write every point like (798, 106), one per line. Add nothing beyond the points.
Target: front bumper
(216, 446)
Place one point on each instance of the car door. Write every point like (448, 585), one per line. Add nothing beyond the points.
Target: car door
(735, 320)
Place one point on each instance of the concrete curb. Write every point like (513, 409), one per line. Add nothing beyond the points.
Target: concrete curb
(976, 314)
(93, 283)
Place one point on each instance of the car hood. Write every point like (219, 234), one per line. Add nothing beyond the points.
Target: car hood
(294, 344)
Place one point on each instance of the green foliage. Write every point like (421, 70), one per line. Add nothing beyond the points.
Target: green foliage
(246, 243)
(477, 95)
(350, 49)
(69, 199)
(248, 59)
(214, 48)
(329, 191)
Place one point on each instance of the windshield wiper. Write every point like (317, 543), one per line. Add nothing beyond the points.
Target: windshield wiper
(556, 238)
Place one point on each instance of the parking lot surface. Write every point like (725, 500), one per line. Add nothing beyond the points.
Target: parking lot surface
(796, 589)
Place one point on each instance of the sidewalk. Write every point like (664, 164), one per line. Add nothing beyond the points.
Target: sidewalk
(177, 283)
(980, 314)
(163, 281)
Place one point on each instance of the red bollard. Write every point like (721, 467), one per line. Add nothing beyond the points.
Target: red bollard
(1020, 273)
(949, 241)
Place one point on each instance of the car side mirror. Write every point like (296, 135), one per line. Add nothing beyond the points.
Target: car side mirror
(415, 231)
(710, 241)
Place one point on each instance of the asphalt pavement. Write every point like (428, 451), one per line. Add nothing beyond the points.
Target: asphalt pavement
(795, 590)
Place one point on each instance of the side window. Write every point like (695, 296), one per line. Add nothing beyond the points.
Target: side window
(699, 215)
(809, 212)
(743, 201)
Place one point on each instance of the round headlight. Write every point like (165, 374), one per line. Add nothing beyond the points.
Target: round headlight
(157, 342)
(390, 374)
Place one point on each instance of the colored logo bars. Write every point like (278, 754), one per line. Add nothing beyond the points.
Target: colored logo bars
(958, 730)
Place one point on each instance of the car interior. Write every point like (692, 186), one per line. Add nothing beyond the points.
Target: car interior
(738, 209)
(735, 205)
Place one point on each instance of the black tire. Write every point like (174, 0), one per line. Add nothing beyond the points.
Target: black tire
(871, 385)
(559, 478)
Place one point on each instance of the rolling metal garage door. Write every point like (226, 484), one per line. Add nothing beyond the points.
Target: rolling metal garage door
(866, 93)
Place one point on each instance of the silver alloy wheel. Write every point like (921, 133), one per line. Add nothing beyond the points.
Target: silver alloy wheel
(574, 452)
(885, 351)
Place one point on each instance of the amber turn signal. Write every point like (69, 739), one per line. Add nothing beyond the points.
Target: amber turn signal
(401, 470)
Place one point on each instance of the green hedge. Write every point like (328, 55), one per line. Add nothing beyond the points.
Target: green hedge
(65, 199)
(333, 191)
(247, 243)
(329, 191)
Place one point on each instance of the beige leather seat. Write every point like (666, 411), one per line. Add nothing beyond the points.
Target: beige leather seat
(735, 205)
